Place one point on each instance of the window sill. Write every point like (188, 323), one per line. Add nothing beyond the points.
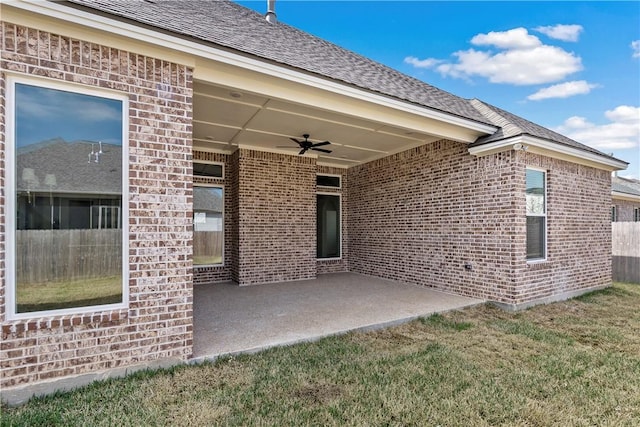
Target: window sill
(203, 266)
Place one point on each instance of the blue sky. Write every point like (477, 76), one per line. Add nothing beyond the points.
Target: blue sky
(573, 67)
(44, 114)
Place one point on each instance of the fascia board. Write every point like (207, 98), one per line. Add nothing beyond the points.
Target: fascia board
(625, 196)
(550, 149)
(115, 26)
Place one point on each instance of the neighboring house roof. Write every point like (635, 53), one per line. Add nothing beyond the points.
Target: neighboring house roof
(512, 125)
(205, 200)
(228, 25)
(625, 186)
(54, 157)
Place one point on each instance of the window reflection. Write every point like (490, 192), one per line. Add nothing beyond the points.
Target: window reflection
(68, 199)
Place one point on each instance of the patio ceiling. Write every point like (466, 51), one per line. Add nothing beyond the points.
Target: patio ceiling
(225, 119)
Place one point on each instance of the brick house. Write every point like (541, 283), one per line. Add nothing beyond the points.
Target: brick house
(625, 203)
(199, 107)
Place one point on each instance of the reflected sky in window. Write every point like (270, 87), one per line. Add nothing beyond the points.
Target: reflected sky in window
(43, 114)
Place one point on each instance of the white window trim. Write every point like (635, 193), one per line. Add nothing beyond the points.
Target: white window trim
(208, 162)
(339, 195)
(10, 195)
(224, 231)
(339, 187)
(545, 215)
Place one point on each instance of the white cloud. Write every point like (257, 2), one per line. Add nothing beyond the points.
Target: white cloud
(563, 90)
(523, 60)
(623, 131)
(635, 46)
(518, 38)
(567, 33)
(422, 63)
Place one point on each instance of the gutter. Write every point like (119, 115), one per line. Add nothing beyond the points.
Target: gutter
(548, 148)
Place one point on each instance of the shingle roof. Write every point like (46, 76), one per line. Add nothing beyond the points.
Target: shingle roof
(625, 185)
(512, 125)
(53, 157)
(230, 25)
(225, 24)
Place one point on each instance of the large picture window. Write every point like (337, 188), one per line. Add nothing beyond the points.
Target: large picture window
(65, 213)
(208, 225)
(536, 214)
(328, 226)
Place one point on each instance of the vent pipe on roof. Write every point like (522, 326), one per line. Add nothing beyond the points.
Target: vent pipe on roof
(271, 11)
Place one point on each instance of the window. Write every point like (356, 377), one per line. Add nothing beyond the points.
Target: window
(536, 214)
(636, 214)
(212, 170)
(614, 213)
(208, 225)
(328, 181)
(67, 164)
(328, 226)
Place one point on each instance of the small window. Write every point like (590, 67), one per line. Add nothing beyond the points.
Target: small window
(636, 214)
(208, 225)
(614, 213)
(328, 226)
(328, 181)
(536, 214)
(212, 170)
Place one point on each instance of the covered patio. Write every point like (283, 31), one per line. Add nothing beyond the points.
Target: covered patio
(232, 319)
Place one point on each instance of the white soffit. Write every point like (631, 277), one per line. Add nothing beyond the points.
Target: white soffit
(225, 118)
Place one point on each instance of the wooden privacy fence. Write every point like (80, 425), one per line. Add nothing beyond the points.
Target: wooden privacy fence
(207, 246)
(626, 251)
(65, 255)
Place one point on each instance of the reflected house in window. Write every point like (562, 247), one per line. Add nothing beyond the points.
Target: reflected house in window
(69, 185)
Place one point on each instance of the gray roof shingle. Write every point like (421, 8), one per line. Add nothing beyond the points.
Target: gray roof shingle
(625, 185)
(225, 24)
(53, 157)
(512, 125)
(230, 25)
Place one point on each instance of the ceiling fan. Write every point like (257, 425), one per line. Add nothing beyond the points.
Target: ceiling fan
(308, 145)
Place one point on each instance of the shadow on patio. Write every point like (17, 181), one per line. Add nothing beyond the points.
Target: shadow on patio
(230, 319)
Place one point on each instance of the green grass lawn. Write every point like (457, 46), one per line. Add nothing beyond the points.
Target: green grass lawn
(575, 363)
(75, 293)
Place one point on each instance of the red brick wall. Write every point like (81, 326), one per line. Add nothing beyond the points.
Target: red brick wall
(333, 265)
(232, 177)
(421, 215)
(158, 322)
(579, 231)
(276, 217)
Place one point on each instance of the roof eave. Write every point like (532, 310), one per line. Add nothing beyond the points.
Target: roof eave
(548, 148)
(207, 50)
(618, 195)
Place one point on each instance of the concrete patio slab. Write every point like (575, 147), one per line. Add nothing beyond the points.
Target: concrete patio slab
(230, 319)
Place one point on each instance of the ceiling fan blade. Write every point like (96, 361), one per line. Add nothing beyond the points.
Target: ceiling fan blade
(321, 149)
(319, 144)
(296, 141)
(304, 150)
